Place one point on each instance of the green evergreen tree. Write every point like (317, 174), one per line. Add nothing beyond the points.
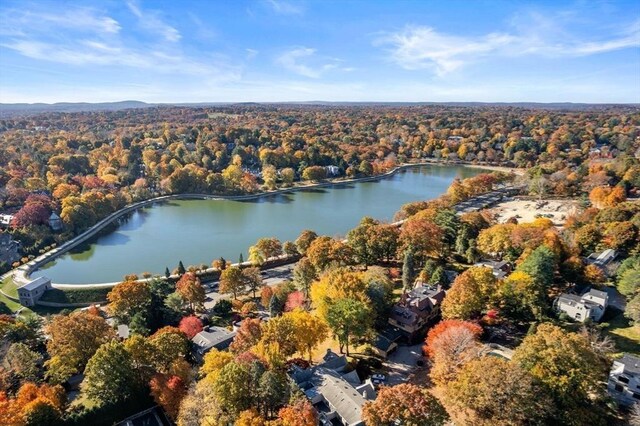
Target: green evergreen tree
(167, 274)
(241, 260)
(276, 306)
(181, 269)
(408, 266)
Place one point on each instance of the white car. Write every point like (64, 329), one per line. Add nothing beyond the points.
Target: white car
(378, 377)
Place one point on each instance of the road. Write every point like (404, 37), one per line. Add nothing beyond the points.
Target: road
(271, 277)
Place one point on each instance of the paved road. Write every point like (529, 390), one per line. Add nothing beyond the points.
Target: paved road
(271, 277)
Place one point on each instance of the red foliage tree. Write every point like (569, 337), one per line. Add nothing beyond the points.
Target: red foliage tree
(35, 211)
(294, 300)
(443, 326)
(190, 326)
(168, 392)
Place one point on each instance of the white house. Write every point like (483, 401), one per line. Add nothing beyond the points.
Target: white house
(624, 380)
(32, 291)
(590, 305)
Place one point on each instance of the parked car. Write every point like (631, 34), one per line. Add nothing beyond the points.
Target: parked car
(378, 379)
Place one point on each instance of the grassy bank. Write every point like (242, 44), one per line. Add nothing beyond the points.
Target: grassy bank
(90, 295)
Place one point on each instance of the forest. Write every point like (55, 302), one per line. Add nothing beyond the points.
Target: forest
(84, 166)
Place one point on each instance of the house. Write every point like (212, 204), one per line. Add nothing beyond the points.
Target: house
(153, 416)
(416, 309)
(337, 396)
(212, 337)
(602, 259)
(386, 342)
(8, 249)
(32, 291)
(624, 380)
(55, 222)
(123, 331)
(332, 170)
(500, 269)
(5, 220)
(590, 305)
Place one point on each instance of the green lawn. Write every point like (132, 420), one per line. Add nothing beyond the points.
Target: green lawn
(625, 335)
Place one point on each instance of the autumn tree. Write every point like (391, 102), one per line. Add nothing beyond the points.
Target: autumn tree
(496, 240)
(469, 294)
(304, 240)
(232, 281)
(450, 345)
(314, 173)
(168, 392)
(252, 279)
(108, 373)
(299, 413)
(128, 298)
(264, 249)
(494, 391)
(309, 331)
(349, 320)
(190, 326)
(191, 290)
(73, 340)
(340, 283)
(404, 404)
(304, 274)
(568, 368)
(520, 296)
(248, 335)
(424, 236)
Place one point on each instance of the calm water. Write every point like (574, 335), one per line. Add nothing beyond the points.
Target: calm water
(198, 231)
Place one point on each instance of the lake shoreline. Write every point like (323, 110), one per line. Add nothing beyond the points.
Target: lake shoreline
(22, 273)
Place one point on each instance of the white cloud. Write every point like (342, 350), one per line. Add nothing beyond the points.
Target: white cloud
(283, 7)
(151, 21)
(23, 21)
(304, 61)
(420, 47)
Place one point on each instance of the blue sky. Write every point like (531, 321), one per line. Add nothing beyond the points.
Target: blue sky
(286, 50)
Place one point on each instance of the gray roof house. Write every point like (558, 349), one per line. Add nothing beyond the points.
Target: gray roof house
(591, 305)
(624, 380)
(602, 259)
(31, 292)
(338, 397)
(212, 337)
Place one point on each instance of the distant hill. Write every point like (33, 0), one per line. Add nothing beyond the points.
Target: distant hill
(8, 110)
(28, 109)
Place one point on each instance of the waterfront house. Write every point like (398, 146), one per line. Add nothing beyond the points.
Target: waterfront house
(591, 305)
(624, 380)
(212, 337)
(32, 291)
(55, 222)
(5, 220)
(416, 309)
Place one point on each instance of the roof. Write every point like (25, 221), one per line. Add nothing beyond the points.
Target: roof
(631, 363)
(336, 362)
(123, 331)
(35, 284)
(598, 294)
(54, 216)
(383, 343)
(343, 398)
(213, 337)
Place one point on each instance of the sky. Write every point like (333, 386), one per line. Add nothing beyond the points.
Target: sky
(328, 50)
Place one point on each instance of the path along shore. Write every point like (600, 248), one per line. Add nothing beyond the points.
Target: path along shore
(21, 274)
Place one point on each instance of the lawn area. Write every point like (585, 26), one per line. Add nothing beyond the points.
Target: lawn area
(625, 335)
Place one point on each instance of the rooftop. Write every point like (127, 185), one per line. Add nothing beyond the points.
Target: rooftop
(342, 397)
(212, 336)
(35, 284)
(631, 363)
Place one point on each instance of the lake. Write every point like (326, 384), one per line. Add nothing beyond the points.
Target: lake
(199, 231)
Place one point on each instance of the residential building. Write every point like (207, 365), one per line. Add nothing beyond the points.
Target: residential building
(386, 341)
(55, 222)
(591, 305)
(5, 220)
(624, 380)
(500, 269)
(332, 170)
(212, 337)
(32, 291)
(8, 249)
(602, 259)
(416, 309)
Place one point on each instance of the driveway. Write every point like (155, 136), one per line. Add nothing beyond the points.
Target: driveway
(402, 363)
